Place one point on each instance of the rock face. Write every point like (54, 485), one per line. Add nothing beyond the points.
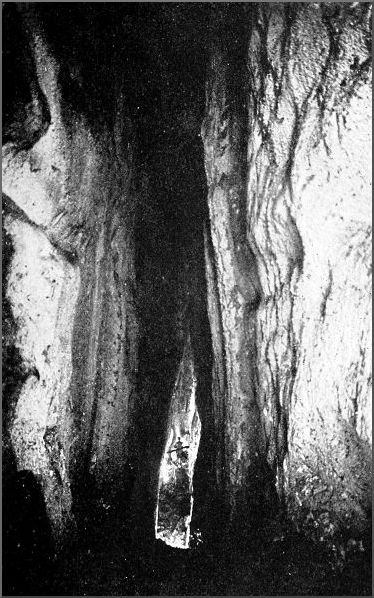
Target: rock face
(119, 246)
(43, 287)
(70, 283)
(288, 168)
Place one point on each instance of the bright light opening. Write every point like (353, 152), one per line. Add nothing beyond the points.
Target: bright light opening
(175, 487)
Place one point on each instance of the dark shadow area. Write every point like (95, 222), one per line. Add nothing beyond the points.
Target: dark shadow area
(27, 546)
(25, 114)
(273, 560)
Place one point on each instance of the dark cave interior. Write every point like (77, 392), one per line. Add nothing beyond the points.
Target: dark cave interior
(159, 54)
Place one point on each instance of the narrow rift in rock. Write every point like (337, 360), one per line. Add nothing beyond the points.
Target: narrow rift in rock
(186, 298)
(175, 490)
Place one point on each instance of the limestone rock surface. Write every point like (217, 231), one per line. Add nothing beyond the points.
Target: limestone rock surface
(288, 164)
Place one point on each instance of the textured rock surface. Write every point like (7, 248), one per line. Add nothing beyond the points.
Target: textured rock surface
(70, 284)
(42, 287)
(289, 177)
(238, 288)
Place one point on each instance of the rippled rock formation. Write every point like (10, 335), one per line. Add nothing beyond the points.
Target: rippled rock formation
(287, 153)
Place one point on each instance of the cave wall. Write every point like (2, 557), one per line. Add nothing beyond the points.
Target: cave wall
(69, 212)
(288, 268)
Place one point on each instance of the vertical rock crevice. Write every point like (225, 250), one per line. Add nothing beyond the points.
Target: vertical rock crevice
(175, 488)
(123, 247)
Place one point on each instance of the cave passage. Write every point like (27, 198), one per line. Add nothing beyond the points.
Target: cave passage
(175, 352)
(175, 492)
(186, 380)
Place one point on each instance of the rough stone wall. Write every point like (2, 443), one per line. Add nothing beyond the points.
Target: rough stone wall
(293, 292)
(234, 273)
(42, 288)
(69, 215)
(105, 334)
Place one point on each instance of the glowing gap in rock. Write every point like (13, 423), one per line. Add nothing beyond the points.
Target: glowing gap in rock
(175, 486)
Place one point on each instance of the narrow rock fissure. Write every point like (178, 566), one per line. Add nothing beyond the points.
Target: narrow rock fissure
(175, 489)
(186, 383)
